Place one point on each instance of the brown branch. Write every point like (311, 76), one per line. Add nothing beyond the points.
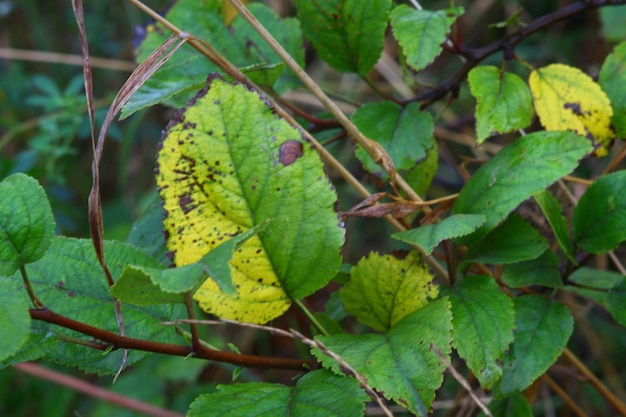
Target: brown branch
(476, 55)
(117, 341)
(94, 391)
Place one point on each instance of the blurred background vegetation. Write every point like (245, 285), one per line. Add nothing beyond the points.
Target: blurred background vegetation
(44, 131)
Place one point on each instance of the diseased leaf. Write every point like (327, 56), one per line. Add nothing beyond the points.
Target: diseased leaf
(404, 132)
(317, 394)
(185, 73)
(520, 169)
(552, 211)
(347, 34)
(381, 289)
(14, 319)
(543, 270)
(504, 102)
(483, 321)
(429, 236)
(514, 240)
(227, 164)
(421, 33)
(613, 80)
(599, 217)
(542, 329)
(26, 222)
(78, 289)
(401, 363)
(568, 99)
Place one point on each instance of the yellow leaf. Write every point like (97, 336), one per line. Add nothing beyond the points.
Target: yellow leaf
(565, 98)
(228, 163)
(382, 289)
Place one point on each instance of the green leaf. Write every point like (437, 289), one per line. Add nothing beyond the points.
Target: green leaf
(518, 171)
(504, 102)
(420, 176)
(552, 211)
(514, 240)
(136, 285)
(228, 163)
(512, 406)
(401, 363)
(382, 289)
(483, 321)
(40, 341)
(347, 34)
(616, 302)
(612, 19)
(429, 236)
(599, 217)
(185, 73)
(317, 394)
(404, 132)
(69, 281)
(542, 329)
(543, 271)
(613, 82)
(421, 33)
(14, 319)
(147, 233)
(26, 222)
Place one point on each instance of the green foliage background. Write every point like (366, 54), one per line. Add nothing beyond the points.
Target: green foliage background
(44, 132)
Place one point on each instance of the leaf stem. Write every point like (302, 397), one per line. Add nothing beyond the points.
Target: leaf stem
(312, 318)
(29, 288)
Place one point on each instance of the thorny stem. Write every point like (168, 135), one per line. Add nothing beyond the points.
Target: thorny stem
(116, 341)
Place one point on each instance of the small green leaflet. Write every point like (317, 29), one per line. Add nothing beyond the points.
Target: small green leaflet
(483, 321)
(26, 222)
(317, 394)
(613, 79)
(514, 240)
(381, 289)
(347, 34)
(429, 236)
(542, 329)
(504, 102)
(421, 33)
(404, 132)
(599, 217)
(520, 169)
(401, 363)
(552, 211)
(543, 270)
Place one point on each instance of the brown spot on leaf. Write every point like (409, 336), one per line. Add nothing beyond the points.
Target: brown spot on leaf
(574, 107)
(186, 203)
(289, 151)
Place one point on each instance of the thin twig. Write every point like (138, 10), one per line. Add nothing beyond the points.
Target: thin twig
(92, 390)
(68, 59)
(615, 402)
(461, 381)
(564, 396)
